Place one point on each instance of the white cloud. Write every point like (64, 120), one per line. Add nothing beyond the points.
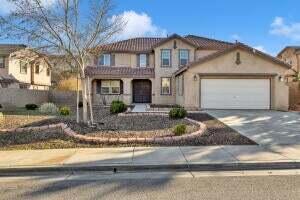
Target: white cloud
(6, 6)
(260, 48)
(236, 37)
(138, 25)
(289, 30)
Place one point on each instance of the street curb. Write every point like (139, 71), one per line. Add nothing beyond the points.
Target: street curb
(144, 168)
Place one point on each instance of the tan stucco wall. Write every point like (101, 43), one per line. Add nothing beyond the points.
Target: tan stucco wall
(250, 63)
(203, 53)
(39, 79)
(127, 59)
(168, 71)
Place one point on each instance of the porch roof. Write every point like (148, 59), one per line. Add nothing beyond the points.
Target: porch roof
(119, 72)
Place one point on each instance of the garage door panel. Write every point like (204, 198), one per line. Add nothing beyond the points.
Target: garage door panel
(235, 93)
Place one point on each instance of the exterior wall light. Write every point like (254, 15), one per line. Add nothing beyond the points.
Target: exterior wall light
(281, 78)
(195, 78)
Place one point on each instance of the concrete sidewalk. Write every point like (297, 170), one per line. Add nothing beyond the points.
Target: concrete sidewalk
(151, 156)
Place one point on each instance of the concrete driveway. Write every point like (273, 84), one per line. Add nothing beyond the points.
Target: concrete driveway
(264, 127)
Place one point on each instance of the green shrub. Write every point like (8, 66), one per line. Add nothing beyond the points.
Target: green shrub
(117, 107)
(31, 106)
(48, 108)
(65, 111)
(177, 113)
(179, 129)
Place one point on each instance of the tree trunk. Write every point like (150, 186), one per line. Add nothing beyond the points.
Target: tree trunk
(77, 101)
(84, 100)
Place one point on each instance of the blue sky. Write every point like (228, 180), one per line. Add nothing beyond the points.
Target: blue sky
(268, 25)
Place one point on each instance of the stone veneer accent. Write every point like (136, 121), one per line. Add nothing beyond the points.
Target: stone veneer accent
(95, 140)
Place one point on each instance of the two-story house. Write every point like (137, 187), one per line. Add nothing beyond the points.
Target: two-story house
(191, 71)
(291, 55)
(22, 67)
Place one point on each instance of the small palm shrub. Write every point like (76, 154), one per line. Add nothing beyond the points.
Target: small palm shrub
(65, 111)
(179, 129)
(49, 108)
(31, 106)
(177, 113)
(117, 107)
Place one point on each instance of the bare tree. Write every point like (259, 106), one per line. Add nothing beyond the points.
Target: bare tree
(66, 27)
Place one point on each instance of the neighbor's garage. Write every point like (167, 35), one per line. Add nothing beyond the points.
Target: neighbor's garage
(235, 93)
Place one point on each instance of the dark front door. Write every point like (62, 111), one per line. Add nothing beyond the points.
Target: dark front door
(141, 91)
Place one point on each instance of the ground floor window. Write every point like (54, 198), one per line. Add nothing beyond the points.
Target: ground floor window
(165, 86)
(110, 87)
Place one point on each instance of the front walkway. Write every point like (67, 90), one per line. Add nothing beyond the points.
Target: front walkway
(264, 127)
(139, 108)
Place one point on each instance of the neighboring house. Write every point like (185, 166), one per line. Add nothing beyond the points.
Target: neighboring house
(191, 71)
(291, 55)
(28, 69)
(7, 80)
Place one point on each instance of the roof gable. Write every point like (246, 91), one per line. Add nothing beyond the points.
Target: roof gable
(296, 48)
(230, 49)
(172, 37)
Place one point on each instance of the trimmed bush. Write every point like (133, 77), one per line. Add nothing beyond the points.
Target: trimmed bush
(31, 106)
(117, 107)
(177, 113)
(48, 108)
(179, 129)
(65, 111)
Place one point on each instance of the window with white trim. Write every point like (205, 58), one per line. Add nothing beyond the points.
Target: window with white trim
(23, 67)
(166, 58)
(104, 60)
(165, 86)
(110, 87)
(37, 68)
(143, 60)
(183, 57)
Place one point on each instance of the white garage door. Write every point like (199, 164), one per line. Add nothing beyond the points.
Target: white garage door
(235, 93)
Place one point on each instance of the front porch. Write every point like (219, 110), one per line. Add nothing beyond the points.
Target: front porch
(128, 90)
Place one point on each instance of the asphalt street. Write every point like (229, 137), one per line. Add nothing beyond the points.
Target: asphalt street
(168, 185)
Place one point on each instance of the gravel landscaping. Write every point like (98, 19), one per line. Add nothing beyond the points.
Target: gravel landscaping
(114, 126)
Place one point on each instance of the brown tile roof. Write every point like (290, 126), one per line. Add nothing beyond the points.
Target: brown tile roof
(131, 45)
(229, 49)
(206, 43)
(120, 72)
(6, 49)
(137, 45)
(296, 48)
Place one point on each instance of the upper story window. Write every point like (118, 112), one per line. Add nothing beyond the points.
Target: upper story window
(183, 57)
(2, 62)
(48, 71)
(166, 58)
(37, 68)
(142, 60)
(23, 67)
(105, 60)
